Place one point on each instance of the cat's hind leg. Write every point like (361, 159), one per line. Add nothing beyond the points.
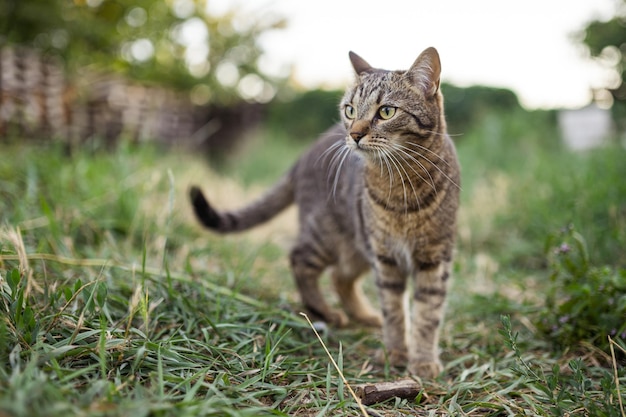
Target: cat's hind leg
(307, 264)
(347, 278)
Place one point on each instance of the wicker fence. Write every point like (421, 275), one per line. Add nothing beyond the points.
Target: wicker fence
(37, 100)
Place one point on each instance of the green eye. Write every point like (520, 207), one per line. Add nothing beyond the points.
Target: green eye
(386, 112)
(350, 112)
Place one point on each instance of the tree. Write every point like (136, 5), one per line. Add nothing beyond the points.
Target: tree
(606, 42)
(176, 43)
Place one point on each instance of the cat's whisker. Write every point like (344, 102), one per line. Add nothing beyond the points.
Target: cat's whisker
(330, 150)
(434, 165)
(332, 166)
(399, 148)
(345, 151)
(380, 163)
(383, 157)
(338, 148)
(408, 178)
(413, 187)
(332, 173)
(397, 166)
(417, 145)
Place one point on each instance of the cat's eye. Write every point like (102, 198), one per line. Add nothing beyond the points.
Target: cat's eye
(350, 112)
(386, 112)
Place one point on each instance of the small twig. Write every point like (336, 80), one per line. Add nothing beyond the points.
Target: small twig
(382, 391)
(332, 360)
(615, 375)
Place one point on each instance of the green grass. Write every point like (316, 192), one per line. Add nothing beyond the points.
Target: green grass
(115, 303)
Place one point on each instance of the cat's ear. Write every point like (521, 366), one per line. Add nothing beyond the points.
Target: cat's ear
(425, 71)
(359, 64)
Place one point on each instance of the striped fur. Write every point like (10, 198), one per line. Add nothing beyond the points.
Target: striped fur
(378, 191)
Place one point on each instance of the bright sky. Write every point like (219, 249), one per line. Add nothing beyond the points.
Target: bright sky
(527, 46)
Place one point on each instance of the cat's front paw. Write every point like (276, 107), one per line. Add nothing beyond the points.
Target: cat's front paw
(425, 369)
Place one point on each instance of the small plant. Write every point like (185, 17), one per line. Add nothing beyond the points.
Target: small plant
(564, 391)
(584, 303)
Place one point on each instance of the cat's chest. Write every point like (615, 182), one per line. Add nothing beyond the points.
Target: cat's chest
(396, 224)
(399, 231)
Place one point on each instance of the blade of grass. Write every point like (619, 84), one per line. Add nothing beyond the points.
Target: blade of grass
(615, 375)
(332, 360)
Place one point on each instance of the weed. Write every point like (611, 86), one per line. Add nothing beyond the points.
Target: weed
(561, 392)
(584, 303)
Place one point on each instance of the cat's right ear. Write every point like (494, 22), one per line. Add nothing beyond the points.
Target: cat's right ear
(359, 64)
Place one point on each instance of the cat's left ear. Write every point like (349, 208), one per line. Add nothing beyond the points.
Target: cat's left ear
(359, 64)
(426, 70)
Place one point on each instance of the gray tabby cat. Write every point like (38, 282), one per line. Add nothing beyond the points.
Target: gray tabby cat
(379, 190)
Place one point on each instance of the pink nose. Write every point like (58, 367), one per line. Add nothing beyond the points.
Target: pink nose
(357, 136)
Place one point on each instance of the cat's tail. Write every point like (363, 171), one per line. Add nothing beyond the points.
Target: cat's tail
(277, 198)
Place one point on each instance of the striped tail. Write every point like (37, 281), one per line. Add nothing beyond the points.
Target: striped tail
(275, 200)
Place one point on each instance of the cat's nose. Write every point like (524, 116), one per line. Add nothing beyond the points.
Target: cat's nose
(357, 136)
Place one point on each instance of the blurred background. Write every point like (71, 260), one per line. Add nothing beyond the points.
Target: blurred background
(200, 72)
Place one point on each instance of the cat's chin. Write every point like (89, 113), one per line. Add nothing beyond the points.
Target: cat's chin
(367, 155)
(360, 150)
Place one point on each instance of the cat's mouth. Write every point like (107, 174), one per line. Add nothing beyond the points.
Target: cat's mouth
(364, 145)
(357, 144)
(359, 148)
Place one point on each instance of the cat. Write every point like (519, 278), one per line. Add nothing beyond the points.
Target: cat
(380, 190)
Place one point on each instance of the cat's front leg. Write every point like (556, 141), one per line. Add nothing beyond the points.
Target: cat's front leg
(430, 289)
(391, 283)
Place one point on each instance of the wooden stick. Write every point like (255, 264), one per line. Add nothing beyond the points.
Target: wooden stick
(382, 391)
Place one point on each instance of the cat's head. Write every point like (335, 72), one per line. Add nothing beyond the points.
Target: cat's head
(392, 109)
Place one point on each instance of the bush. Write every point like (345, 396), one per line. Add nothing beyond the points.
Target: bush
(466, 107)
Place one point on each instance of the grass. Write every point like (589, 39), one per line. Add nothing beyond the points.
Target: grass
(115, 303)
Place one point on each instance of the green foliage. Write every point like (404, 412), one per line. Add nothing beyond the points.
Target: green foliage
(466, 107)
(109, 204)
(512, 142)
(20, 314)
(560, 188)
(584, 303)
(544, 187)
(148, 40)
(264, 159)
(306, 115)
(563, 392)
